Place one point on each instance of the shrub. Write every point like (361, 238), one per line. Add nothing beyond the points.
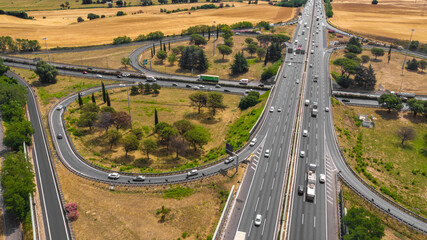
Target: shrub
(120, 13)
(72, 212)
(80, 19)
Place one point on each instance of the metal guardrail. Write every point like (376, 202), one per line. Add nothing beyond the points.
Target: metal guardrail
(222, 220)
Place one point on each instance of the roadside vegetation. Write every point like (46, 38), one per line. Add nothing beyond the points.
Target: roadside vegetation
(390, 156)
(392, 228)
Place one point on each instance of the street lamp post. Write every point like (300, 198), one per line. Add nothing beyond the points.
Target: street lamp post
(404, 60)
(214, 42)
(127, 91)
(45, 41)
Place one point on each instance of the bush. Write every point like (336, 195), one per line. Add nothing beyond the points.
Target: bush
(80, 19)
(374, 2)
(92, 16)
(240, 25)
(121, 40)
(271, 71)
(250, 100)
(120, 13)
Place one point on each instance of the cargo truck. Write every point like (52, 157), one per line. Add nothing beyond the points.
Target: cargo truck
(311, 182)
(244, 81)
(208, 78)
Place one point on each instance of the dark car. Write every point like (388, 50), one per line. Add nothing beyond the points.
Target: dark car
(189, 86)
(261, 85)
(226, 90)
(300, 190)
(139, 178)
(174, 84)
(345, 100)
(59, 136)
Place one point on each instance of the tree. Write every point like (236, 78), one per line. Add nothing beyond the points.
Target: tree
(390, 101)
(130, 143)
(80, 19)
(377, 52)
(12, 92)
(105, 120)
(229, 42)
(160, 126)
(176, 51)
(224, 50)
(47, 73)
(156, 118)
(125, 61)
(166, 134)
(261, 53)
(249, 40)
(215, 101)
(275, 52)
(251, 48)
(147, 88)
(80, 100)
(365, 77)
(87, 119)
(422, 65)
(177, 143)
(192, 58)
(172, 58)
(202, 64)
(240, 65)
(93, 98)
(412, 64)
(198, 100)
(365, 59)
(121, 120)
(198, 136)
(348, 66)
(134, 90)
(414, 45)
(17, 133)
(107, 109)
(362, 225)
(250, 100)
(104, 98)
(406, 133)
(3, 68)
(113, 137)
(108, 99)
(183, 126)
(198, 40)
(374, 2)
(343, 81)
(416, 106)
(90, 107)
(149, 146)
(17, 181)
(162, 55)
(12, 112)
(227, 33)
(353, 48)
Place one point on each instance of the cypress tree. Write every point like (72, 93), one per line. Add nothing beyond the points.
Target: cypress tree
(104, 98)
(266, 58)
(217, 32)
(156, 118)
(164, 47)
(169, 46)
(203, 33)
(80, 99)
(151, 52)
(209, 34)
(93, 98)
(154, 50)
(240, 64)
(203, 63)
(108, 99)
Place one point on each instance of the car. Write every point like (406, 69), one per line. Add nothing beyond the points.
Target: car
(253, 142)
(195, 87)
(305, 133)
(59, 107)
(229, 160)
(322, 178)
(300, 190)
(295, 53)
(260, 85)
(345, 100)
(311, 65)
(297, 81)
(258, 220)
(305, 39)
(307, 102)
(98, 75)
(174, 84)
(317, 45)
(122, 85)
(226, 90)
(272, 109)
(284, 76)
(302, 154)
(192, 173)
(84, 72)
(326, 109)
(312, 51)
(201, 86)
(125, 74)
(139, 178)
(289, 64)
(59, 136)
(114, 175)
(210, 89)
(188, 86)
(315, 105)
(217, 86)
(89, 68)
(292, 58)
(267, 153)
(119, 76)
(279, 109)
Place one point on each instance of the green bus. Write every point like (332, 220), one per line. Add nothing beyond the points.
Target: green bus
(207, 78)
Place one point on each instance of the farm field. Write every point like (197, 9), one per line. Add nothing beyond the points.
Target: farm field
(397, 170)
(389, 18)
(389, 75)
(103, 58)
(61, 27)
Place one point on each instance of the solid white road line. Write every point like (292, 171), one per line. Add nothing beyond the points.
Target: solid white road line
(256, 205)
(262, 184)
(268, 205)
(263, 226)
(302, 221)
(314, 221)
(272, 185)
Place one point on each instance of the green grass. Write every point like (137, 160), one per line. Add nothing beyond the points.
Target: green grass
(399, 171)
(178, 192)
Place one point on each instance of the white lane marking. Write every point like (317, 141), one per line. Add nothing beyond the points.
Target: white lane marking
(256, 205)
(250, 228)
(266, 168)
(302, 221)
(268, 205)
(263, 226)
(277, 164)
(272, 185)
(280, 150)
(314, 221)
(262, 184)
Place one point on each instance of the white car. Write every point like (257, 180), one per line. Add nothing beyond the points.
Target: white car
(201, 86)
(297, 80)
(302, 154)
(114, 175)
(196, 87)
(59, 107)
(267, 153)
(258, 220)
(305, 133)
(192, 173)
(229, 160)
(289, 64)
(253, 142)
(98, 75)
(322, 178)
(272, 109)
(326, 109)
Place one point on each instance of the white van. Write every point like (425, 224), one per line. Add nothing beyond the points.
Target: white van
(244, 81)
(151, 79)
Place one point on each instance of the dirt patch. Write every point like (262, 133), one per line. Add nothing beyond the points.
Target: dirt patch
(389, 75)
(390, 18)
(61, 27)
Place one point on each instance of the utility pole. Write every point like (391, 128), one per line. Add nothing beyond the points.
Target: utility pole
(127, 91)
(45, 41)
(404, 60)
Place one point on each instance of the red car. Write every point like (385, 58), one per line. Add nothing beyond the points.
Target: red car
(84, 72)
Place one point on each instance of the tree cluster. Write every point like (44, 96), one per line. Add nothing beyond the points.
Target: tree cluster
(121, 40)
(193, 57)
(417, 106)
(240, 25)
(25, 45)
(19, 14)
(362, 224)
(390, 101)
(47, 73)
(292, 3)
(414, 64)
(240, 64)
(250, 100)
(92, 16)
(354, 45)
(214, 101)
(145, 89)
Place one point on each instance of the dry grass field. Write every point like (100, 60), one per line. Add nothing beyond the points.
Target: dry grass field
(389, 75)
(172, 105)
(104, 58)
(61, 27)
(390, 18)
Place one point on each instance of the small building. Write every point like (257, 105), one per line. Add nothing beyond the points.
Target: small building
(366, 121)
